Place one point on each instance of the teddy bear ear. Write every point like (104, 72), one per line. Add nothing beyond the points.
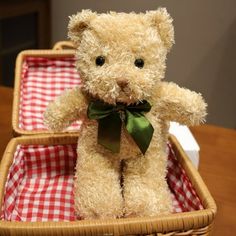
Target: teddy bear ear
(78, 23)
(162, 20)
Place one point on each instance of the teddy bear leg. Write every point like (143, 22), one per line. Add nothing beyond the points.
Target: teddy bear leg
(97, 186)
(146, 191)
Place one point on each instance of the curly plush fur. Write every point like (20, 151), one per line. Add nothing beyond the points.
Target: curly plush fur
(121, 38)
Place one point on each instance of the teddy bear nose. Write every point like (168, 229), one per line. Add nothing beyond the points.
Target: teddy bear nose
(122, 82)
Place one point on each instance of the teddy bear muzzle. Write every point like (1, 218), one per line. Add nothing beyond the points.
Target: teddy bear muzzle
(122, 83)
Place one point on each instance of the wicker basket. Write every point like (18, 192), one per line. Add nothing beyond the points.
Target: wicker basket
(186, 223)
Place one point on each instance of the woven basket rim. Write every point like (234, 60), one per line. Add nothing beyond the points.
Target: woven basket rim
(61, 45)
(142, 225)
(48, 53)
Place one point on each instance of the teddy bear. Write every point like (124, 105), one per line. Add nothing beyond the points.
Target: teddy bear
(126, 108)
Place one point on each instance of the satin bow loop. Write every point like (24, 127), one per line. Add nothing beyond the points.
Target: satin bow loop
(110, 118)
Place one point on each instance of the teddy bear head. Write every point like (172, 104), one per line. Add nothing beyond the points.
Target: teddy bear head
(121, 57)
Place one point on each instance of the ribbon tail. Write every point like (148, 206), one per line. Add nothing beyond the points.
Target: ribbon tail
(109, 132)
(140, 129)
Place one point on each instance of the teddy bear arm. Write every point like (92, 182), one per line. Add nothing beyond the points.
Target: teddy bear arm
(181, 105)
(65, 109)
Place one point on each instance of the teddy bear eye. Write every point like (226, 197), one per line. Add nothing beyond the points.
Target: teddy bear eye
(139, 62)
(100, 60)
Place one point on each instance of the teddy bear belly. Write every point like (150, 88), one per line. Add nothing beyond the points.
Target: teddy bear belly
(88, 138)
(128, 148)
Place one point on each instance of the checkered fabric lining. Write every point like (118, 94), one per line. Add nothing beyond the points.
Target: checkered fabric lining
(184, 196)
(43, 79)
(40, 184)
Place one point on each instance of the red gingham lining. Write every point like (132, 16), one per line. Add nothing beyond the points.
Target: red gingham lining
(42, 79)
(185, 196)
(40, 184)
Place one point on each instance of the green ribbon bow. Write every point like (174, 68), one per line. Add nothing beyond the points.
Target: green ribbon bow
(110, 120)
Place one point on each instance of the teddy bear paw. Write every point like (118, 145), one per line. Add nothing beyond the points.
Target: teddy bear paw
(147, 203)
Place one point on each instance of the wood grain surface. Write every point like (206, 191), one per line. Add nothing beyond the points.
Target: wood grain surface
(217, 163)
(218, 170)
(6, 97)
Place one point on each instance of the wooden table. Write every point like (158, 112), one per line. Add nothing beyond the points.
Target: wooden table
(217, 163)
(6, 95)
(218, 170)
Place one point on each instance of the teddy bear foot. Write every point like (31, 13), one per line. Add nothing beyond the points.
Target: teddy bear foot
(99, 208)
(96, 209)
(147, 203)
(99, 214)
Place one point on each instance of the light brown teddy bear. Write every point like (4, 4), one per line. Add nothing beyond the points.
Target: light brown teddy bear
(126, 109)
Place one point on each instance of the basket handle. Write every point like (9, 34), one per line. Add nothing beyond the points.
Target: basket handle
(63, 45)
